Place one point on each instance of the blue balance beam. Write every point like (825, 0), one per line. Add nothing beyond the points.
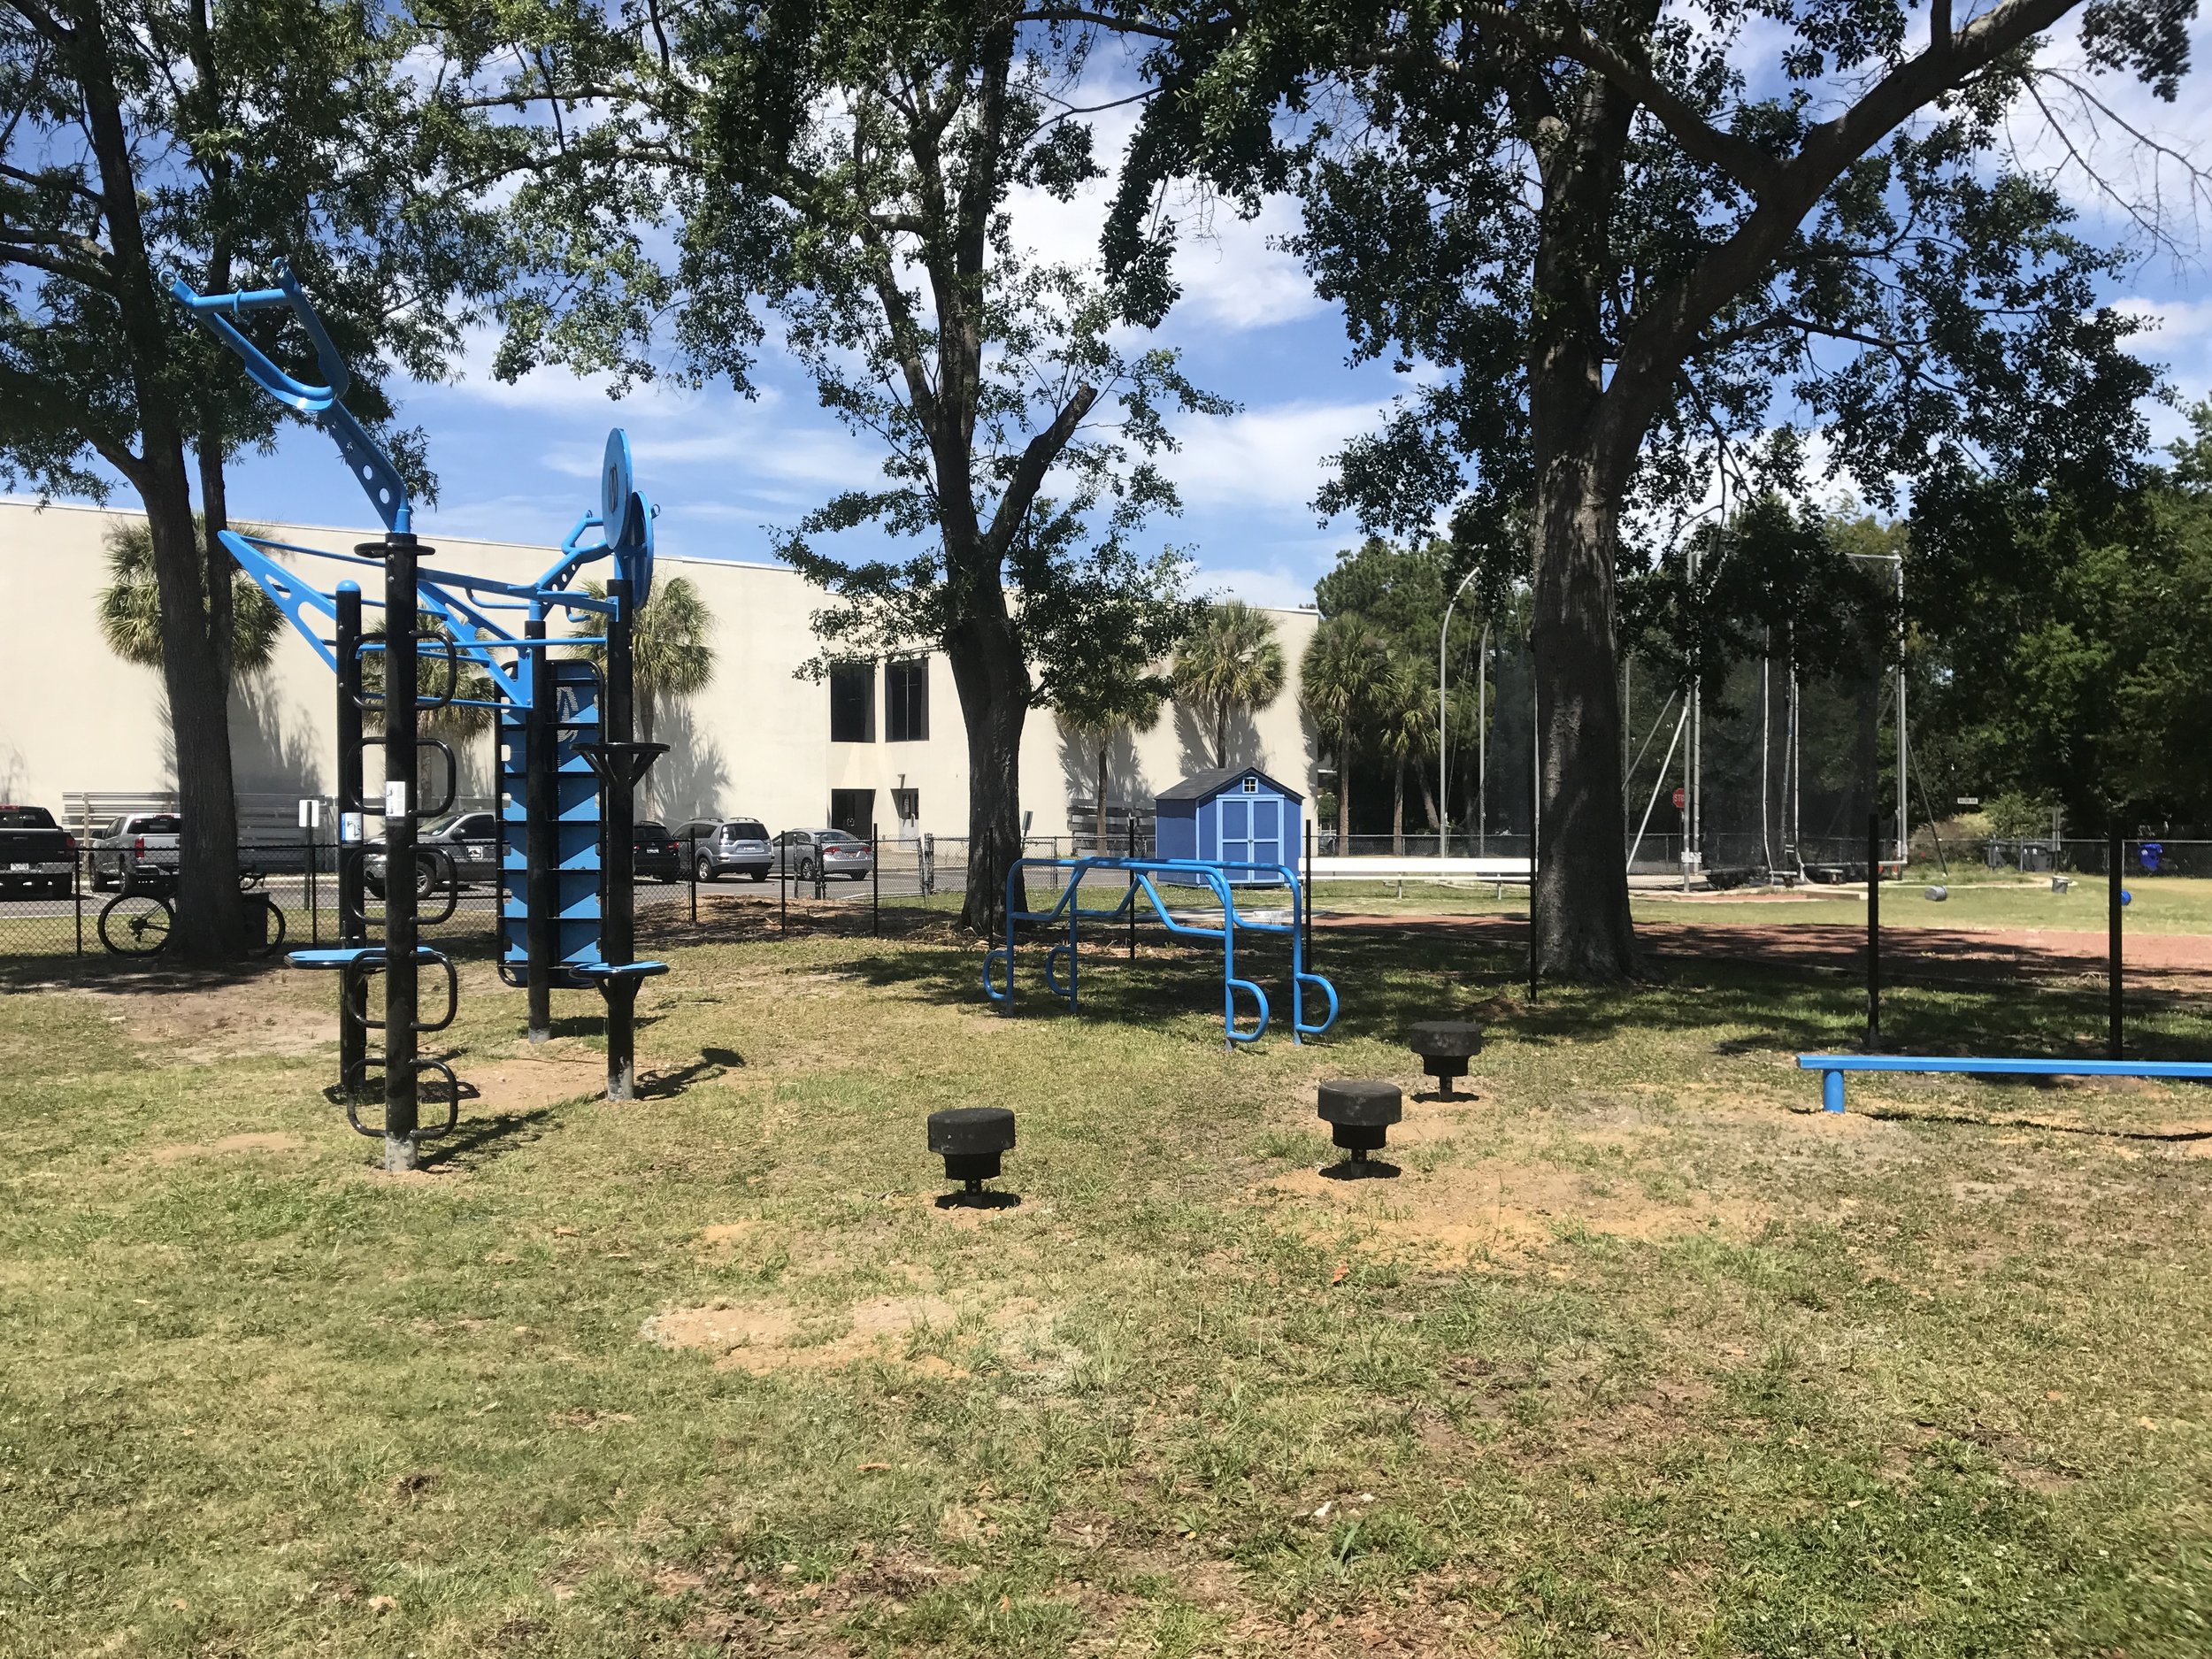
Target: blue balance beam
(1832, 1066)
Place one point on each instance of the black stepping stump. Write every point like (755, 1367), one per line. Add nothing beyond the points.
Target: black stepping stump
(1444, 1047)
(970, 1138)
(1359, 1113)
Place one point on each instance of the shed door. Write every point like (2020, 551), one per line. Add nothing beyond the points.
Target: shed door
(1266, 830)
(1234, 816)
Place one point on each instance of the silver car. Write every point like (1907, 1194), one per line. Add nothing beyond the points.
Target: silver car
(832, 851)
(729, 846)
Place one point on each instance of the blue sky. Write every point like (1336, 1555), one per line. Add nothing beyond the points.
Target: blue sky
(517, 462)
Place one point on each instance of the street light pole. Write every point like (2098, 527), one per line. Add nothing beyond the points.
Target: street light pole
(1444, 748)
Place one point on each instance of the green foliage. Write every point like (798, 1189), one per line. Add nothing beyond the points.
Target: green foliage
(2065, 641)
(2019, 817)
(323, 133)
(130, 606)
(1230, 662)
(672, 653)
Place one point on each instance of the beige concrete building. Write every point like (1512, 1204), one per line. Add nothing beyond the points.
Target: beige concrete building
(759, 742)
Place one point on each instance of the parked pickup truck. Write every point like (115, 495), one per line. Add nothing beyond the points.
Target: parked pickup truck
(36, 854)
(136, 839)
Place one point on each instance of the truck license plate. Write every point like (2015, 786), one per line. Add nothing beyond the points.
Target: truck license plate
(23, 867)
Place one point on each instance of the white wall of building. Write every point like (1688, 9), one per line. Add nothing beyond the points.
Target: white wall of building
(73, 719)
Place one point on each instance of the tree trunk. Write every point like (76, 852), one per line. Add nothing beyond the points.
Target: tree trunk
(1583, 930)
(1221, 733)
(1398, 810)
(1100, 838)
(1428, 795)
(209, 923)
(993, 684)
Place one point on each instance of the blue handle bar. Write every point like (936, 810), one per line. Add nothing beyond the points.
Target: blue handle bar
(209, 309)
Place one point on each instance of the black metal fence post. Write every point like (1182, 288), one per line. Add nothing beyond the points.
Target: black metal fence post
(875, 878)
(401, 765)
(540, 786)
(1873, 931)
(691, 874)
(783, 887)
(1309, 895)
(1132, 907)
(1535, 817)
(76, 898)
(2115, 869)
(351, 863)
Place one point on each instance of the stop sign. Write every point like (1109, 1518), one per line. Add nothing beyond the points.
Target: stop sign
(1681, 797)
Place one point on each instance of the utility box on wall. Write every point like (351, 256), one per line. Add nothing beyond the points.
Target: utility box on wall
(1239, 814)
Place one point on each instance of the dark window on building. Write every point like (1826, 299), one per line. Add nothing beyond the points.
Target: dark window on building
(852, 703)
(906, 702)
(851, 810)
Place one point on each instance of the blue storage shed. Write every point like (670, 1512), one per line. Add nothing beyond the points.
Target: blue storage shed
(1237, 815)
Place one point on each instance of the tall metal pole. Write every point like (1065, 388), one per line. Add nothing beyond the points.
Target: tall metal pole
(617, 817)
(1443, 745)
(353, 929)
(1904, 754)
(1482, 742)
(400, 1099)
(1873, 931)
(2115, 869)
(542, 856)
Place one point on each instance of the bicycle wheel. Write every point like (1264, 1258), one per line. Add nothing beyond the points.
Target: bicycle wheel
(264, 926)
(135, 925)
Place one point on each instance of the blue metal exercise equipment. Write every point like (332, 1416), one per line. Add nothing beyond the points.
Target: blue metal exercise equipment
(568, 761)
(1223, 879)
(1833, 1067)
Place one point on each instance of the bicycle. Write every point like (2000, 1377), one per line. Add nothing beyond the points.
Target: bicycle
(136, 921)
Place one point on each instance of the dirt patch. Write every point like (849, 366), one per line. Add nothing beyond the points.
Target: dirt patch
(559, 1071)
(263, 1141)
(726, 1235)
(223, 1022)
(777, 1337)
(1495, 1207)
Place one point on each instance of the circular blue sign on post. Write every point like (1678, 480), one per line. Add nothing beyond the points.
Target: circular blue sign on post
(618, 489)
(634, 556)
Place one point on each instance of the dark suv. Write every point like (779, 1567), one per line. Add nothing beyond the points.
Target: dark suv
(728, 846)
(654, 852)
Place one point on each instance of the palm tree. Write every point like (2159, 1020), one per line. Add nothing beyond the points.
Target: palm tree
(130, 605)
(1340, 678)
(1231, 661)
(1406, 725)
(669, 655)
(1112, 695)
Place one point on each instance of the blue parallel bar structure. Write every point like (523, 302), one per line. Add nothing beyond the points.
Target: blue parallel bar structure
(1139, 879)
(1833, 1067)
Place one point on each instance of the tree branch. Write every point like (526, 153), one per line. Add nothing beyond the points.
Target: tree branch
(1037, 458)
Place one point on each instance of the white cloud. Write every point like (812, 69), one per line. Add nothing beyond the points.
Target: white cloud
(1272, 585)
(1268, 458)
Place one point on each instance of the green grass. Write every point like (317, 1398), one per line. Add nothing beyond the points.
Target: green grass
(1638, 1355)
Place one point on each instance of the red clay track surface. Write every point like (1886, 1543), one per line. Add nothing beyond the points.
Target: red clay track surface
(2178, 961)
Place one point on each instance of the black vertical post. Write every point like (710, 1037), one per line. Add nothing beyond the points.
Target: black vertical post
(2116, 866)
(400, 765)
(1133, 886)
(76, 896)
(783, 885)
(353, 924)
(1308, 873)
(875, 879)
(307, 851)
(541, 844)
(1535, 817)
(691, 873)
(617, 924)
(1873, 931)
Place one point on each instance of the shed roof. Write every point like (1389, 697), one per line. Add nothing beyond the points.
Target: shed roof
(1202, 786)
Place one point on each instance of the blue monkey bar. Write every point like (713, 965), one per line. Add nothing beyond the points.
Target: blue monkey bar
(1142, 876)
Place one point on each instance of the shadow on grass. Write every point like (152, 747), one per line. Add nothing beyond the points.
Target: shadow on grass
(476, 1141)
(1386, 977)
(711, 1063)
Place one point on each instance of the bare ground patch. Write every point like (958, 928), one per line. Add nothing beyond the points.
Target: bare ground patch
(228, 1146)
(1496, 1206)
(778, 1336)
(222, 1022)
